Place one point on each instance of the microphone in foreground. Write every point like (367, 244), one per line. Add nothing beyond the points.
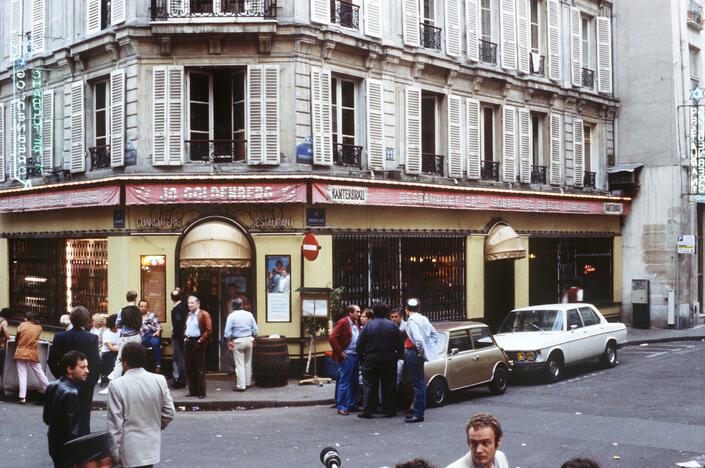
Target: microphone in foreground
(330, 457)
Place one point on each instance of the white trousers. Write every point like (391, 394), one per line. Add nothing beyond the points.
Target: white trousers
(242, 354)
(22, 366)
(117, 370)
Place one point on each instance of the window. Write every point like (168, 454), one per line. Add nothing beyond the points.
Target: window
(694, 63)
(102, 115)
(536, 139)
(574, 319)
(459, 340)
(428, 12)
(488, 134)
(535, 26)
(486, 20)
(588, 42)
(481, 338)
(343, 98)
(428, 124)
(589, 317)
(104, 14)
(587, 146)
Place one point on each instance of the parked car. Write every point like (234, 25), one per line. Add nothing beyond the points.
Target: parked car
(468, 356)
(551, 337)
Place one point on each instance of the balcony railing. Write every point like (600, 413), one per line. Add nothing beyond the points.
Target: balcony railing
(430, 36)
(538, 174)
(589, 179)
(432, 164)
(100, 157)
(588, 78)
(347, 155)
(488, 51)
(536, 64)
(345, 14)
(216, 151)
(166, 9)
(489, 170)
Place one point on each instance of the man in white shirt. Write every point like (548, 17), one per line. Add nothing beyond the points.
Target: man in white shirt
(420, 346)
(484, 433)
(240, 330)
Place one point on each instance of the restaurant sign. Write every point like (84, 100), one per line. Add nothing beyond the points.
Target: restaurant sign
(59, 199)
(697, 150)
(164, 194)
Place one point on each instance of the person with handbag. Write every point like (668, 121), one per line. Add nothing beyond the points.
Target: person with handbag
(150, 333)
(27, 354)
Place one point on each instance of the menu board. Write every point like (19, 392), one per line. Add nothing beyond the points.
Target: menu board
(154, 284)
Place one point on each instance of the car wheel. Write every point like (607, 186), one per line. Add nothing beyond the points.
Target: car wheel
(498, 385)
(609, 357)
(437, 393)
(554, 368)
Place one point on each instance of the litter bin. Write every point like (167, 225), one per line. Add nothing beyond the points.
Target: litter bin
(641, 309)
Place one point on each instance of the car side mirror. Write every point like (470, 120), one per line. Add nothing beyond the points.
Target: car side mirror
(573, 327)
(454, 351)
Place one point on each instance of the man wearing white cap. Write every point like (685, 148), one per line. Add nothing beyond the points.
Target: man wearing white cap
(420, 346)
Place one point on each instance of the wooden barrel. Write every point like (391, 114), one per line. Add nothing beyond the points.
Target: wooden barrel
(270, 361)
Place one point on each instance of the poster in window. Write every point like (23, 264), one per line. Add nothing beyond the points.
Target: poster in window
(278, 283)
(154, 284)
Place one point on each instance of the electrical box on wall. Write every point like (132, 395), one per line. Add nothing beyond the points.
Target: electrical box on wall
(641, 314)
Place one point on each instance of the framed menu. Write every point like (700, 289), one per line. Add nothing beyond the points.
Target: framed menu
(154, 284)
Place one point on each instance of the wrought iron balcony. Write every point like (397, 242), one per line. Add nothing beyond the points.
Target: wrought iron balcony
(347, 155)
(695, 15)
(430, 36)
(345, 14)
(432, 164)
(488, 51)
(216, 151)
(538, 174)
(588, 78)
(100, 157)
(536, 64)
(589, 179)
(166, 9)
(58, 174)
(489, 170)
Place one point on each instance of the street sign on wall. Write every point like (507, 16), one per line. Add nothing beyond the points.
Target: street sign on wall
(686, 244)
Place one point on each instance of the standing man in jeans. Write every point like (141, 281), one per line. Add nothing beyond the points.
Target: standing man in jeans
(198, 331)
(343, 341)
(420, 346)
(178, 325)
(240, 330)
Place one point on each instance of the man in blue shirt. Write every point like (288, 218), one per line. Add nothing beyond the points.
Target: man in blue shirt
(240, 330)
(420, 346)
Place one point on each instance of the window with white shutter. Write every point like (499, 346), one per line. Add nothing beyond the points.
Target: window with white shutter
(320, 11)
(373, 18)
(16, 31)
(413, 130)
(509, 146)
(2, 143)
(556, 149)
(159, 116)
(271, 115)
(578, 152)
(117, 118)
(411, 23)
(453, 28)
(472, 118)
(321, 117)
(93, 16)
(553, 22)
(604, 54)
(263, 114)
(118, 12)
(375, 124)
(174, 109)
(48, 131)
(523, 35)
(455, 138)
(472, 29)
(38, 26)
(78, 128)
(509, 34)
(576, 47)
(524, 144)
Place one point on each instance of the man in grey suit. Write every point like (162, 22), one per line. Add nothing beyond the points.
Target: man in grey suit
(136, 427)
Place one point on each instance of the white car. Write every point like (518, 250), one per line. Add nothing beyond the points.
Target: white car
(550, 337)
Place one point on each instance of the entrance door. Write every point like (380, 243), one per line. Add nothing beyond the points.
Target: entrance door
(499, 291)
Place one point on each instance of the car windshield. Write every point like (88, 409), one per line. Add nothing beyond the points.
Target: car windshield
(532, 320)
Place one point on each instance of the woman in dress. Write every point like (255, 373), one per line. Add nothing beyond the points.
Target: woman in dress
(151, 332)
(27, 354)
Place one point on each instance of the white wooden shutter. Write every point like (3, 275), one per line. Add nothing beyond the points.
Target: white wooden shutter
(375, 124)
(16, 31)
(117, 12)
(523, 35)
(556, 149)
(48, 131)
(2, 143)
(524, 143)
(270, 115)
(159, 117)
(175, 109)
(472, 113)
(455, 138)
(320, 11)
(117, 118)
(373, 18)
(93, 15)
(78, 130)
(604, 54)
(509, 146)
(472, 29)
(38, 26)
(411, 25)
(553, 21)
(453, 28)
(321, 117)
(509, 34)
(576, 47)
(578, 151)
(255, 124)
(413, 130)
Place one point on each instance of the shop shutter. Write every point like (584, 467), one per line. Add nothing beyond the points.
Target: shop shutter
(93, 15)
(509, 146)
(320, 11)
(578, 151)
(453, 28)
(455, 138)
(375, 124)
(373, 18)
(178, 7)
(472, 107)
(472, 29)
(321, 117)
(524, 142)
(411, 23)
(117, 12)
(413, 130)
(604, 54)
(556, 150)
(270, 116)
(16, 29)
(159, 118)
(175, 90)
(576, 47)
(78, 130)
(553, 21)
(523, 35)
(38, 26)
(48, 131)
(3, 177)
(117, 118)
(509, 34)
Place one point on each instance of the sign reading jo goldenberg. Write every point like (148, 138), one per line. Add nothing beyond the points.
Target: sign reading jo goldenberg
(160, 194)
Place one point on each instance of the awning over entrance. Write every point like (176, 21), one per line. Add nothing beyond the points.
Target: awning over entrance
(215, 244)
(503, 243)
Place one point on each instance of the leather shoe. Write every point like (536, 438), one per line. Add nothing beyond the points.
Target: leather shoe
(343, 412)
(188, 395)
(364, 415)
(413, 419)
(201, 397)
(178, 384)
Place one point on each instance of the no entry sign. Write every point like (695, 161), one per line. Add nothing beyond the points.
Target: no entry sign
(310, 247)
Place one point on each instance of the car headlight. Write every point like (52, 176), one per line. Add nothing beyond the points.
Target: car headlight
(530, 356)
(521, 356)
(526, 356)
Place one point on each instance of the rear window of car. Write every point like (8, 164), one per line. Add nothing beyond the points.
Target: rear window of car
(481, 337)
(459, 339)
(589, 316)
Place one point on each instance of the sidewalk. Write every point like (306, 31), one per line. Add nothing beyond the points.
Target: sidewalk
(636, 336)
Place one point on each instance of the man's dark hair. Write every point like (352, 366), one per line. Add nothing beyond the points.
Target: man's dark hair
(580, 463)
(176, 295)
(143, 300)
(6, 313)
(351, 308)
(415, 463)
(131, 317)
(70, 360)
(395, 310)
(134, 355)
(131, 296)
(111, 320)
(32, 317)
(368, 313)
(238, 304)
(484, 420)
(80, 317)
(380, 309)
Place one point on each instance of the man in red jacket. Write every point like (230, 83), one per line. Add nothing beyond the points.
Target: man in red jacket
(343, 340)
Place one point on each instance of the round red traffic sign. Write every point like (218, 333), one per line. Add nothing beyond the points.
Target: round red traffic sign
(310, 247)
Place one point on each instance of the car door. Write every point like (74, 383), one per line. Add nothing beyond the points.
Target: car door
(461, 360)
(593, 331)
(486, 351)
(574, 344)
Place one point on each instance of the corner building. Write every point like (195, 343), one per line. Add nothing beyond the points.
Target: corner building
(451, 150)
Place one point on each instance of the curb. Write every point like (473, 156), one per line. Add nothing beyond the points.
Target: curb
(663, 340)
(201, 405)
